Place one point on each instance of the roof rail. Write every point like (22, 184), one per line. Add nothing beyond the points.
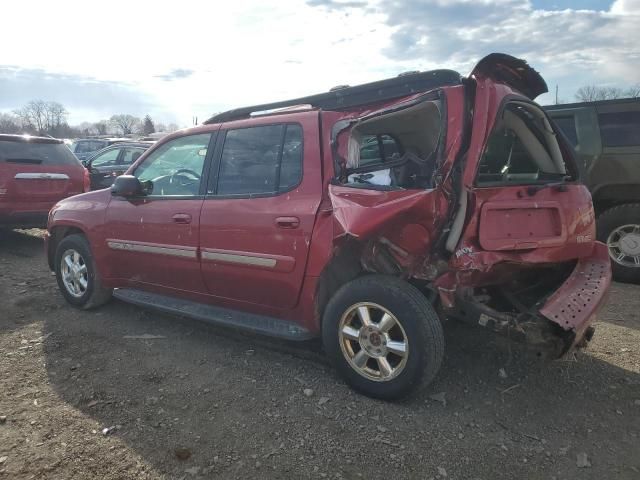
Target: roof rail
(348, 97)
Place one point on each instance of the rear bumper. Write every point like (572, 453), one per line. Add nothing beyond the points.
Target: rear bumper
(562, 323)
(23, 219)
(574, 306)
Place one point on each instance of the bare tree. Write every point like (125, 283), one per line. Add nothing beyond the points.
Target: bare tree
(33, 115)
(124, 123)
(172, 127)
(591, 93)
(9, 123)
(56, 115)
(101, 127)
(633, 92)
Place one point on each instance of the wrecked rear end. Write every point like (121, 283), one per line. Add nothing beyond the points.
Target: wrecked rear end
(468, 193)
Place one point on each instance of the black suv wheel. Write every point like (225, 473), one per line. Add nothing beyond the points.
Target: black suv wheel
(383, 336)
(619, 228)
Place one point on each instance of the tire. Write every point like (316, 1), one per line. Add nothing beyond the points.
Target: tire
(86, 297)
(412, 318)
(614, 224)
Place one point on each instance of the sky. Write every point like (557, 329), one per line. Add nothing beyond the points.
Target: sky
(202, 57)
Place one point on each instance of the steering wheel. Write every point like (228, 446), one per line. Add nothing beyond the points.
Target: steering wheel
(182, 173)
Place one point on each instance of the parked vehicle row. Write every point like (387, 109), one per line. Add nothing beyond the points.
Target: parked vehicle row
(110, 162)
(360, 216)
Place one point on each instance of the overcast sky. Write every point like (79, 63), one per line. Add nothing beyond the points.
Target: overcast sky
(200, 57)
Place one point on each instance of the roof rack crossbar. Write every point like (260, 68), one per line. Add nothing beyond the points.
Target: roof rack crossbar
(349, 97)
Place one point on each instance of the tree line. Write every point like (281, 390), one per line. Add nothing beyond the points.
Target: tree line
(39, 117)
(592, 93)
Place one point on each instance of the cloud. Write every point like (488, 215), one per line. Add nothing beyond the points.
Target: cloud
(176, 74)
(571, 46)
(336, 4)
(77, 93)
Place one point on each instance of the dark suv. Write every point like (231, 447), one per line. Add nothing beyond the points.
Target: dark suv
(87, 147)
(108, 163)
(606, 136)
(360, 215)
(36, 172)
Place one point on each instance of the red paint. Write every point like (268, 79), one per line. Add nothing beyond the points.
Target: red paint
(574, 305)
(27, 201)
(268, 254)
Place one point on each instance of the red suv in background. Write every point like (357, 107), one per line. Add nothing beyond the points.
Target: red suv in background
(361, 215)
(35, 173)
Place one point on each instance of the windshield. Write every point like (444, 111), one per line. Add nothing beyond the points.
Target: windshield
(36, 153)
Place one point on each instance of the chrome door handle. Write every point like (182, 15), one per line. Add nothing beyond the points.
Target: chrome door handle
(288, 222)
(182, 218)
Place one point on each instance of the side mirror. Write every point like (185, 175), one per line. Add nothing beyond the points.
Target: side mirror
(127, 186)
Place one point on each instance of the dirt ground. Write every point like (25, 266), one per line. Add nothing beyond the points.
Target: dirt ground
(182, 399)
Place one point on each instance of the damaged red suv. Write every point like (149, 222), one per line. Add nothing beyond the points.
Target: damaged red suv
(363, 215)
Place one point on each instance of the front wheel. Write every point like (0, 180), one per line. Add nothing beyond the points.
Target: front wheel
(77, 275)
(383, 336)
(619, 228)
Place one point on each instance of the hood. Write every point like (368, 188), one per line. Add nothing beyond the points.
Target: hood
(511, 71)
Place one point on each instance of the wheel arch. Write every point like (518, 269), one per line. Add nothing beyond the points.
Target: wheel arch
(56, 234)
(609, 195)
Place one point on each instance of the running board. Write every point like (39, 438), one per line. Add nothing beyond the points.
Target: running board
(260, 324)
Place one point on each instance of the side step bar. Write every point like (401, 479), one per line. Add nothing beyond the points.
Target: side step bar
(260, 324)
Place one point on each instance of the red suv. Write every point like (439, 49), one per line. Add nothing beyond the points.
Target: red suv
(363, 215)
(36, 172)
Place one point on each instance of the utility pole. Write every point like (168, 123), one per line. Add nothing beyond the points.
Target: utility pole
(556, 94)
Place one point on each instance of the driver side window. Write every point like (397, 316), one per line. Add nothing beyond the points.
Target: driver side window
(175, 168)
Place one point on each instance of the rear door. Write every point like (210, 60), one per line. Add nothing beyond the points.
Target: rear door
(523, 189)
(35, 174)
(619, 166)
(259, 213)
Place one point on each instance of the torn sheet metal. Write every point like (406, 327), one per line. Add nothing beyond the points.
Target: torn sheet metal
(362, 212)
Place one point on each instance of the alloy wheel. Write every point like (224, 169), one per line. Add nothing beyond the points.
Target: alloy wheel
(373, 341)
(73, 270)
(624, 245)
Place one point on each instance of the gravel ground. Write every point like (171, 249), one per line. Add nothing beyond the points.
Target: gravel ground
(185, 400)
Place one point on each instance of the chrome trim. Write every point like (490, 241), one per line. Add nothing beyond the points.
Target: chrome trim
(41, 176)
(146, 248)
(239, 259)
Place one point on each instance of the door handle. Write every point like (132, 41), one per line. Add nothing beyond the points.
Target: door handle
(182, 218)
(288, 222)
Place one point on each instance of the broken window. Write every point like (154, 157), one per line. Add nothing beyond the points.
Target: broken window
(521, 149)
(395, 149)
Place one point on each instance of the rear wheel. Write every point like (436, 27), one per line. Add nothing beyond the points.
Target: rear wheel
(619, 228)
(77, 275)
(383, 336)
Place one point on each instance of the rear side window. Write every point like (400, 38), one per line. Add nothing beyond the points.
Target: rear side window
(261, 160)
(106, 159)
(378, 149)
(36, 153)
(131, 155)
(621, 129)
(568, 127)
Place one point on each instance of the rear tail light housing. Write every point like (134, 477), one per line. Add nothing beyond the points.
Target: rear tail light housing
(86, 181)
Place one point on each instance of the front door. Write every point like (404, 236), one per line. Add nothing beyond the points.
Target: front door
(154, 239)
(258, 217)
(104, 168)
